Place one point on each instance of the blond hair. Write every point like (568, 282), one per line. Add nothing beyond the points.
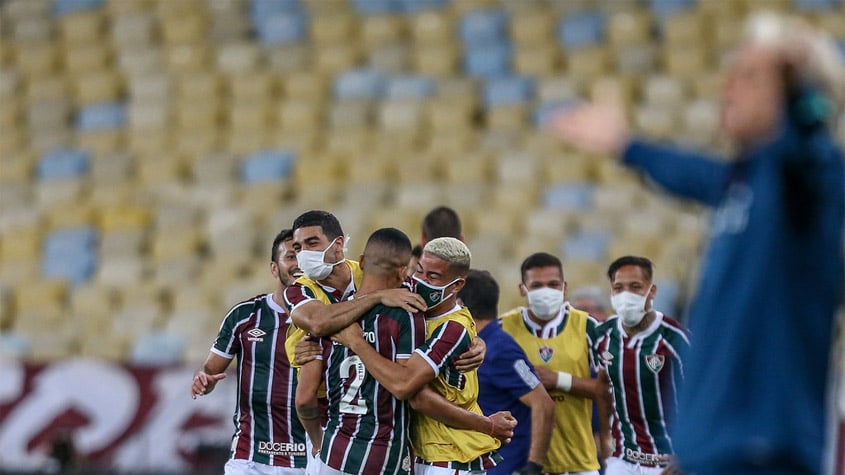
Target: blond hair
(451, 250)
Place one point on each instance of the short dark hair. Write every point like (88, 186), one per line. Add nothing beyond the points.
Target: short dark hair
(480, 294)
(417, 251)
(441, 221)
(284, 235)
(327, 222)
(388, 248)
(641, 262)
(539, 259)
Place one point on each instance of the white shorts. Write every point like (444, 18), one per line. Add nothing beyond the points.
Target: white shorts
(617, 466)
(422, 469)
(248, 467)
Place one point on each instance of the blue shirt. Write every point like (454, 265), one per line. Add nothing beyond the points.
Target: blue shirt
(504, 377)
(762, 319)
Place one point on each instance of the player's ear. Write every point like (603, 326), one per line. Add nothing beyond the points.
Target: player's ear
(522, 291)
(460, 284)
(361, 261)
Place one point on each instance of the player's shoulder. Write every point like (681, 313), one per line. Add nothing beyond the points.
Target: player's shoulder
(512, 314)
(245, 307)
(672, 328)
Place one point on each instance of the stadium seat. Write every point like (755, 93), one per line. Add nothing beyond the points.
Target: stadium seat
(14, 346)
(507, 90)
(63, 163)
(367, 84)
(103, 116)
(379, 30)
(568, 196)
(32, 30)
(431, 27)
(532, 27)
(158, 347)
(409, 87)
(586, 28)
(267, 166)
(65, 7)
(138, 60)
(132, 29)
(436, 60)
(489, 60)
(281, 28)
(585, 246)
(536, 60)
(479, 28)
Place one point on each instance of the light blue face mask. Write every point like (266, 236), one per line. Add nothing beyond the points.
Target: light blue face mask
(433, 295)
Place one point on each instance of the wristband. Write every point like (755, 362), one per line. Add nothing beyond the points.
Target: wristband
(564, 381)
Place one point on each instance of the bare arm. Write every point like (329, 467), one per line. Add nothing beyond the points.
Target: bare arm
(403, 381)
(581, 387)
(542, 422)
(206, 378)
(499, 425)
(604, 407)
(320, 319)
(307, 405)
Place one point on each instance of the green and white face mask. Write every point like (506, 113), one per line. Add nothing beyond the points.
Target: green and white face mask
(432, 294)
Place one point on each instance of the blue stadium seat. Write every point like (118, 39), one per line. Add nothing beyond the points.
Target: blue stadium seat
(479, 28)
(543, 111)
(410, 7)
(507, 90)
(267, 166)
(581, 29)
(158, 348)
(70, 254)
(63, 7)
(667, 299)
(279, 28)
(364, 83)
(489, 61)
(262, 8)
(816, 5)
(102, 116)
(585, 246)
(569, 196)
(63, 163)
(377, 7)
(663, 9)
(409, 87)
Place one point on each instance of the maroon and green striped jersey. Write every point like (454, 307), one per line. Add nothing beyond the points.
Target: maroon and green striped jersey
(645, 371)
(367, 429)
(267, 429)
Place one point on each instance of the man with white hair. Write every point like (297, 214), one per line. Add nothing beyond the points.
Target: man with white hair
(772, 278)
(439, 449)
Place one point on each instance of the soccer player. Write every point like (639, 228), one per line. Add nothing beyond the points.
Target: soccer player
(441, 221)
(554, 338)
(268, 438)
(438, 448)
(507, 381)
(642, 350)
(367, 429)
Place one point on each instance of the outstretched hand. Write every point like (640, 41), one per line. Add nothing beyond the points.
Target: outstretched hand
(599, 127)
(204, 383)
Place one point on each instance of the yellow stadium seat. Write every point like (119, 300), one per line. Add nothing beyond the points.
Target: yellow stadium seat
(102, 196)
(332, 29)
(187, 57)
(557, 88)
(348, 141)
(199, 86)
(80, 213)
(148, 115)
(249, 114)
(173, 272)
(629, 27)
(91, 300)
(394, 58)
(37, 59)
(45, 300)
(101, 141)
(444, 115)
(196, 142)
(198, 113)
(137, 60)
(239, 57)
(17, 168)
(22, 9)
(431, 26)
(84, 58)
(726, 31)
(512, 117)
(380, 29)
(253, 86)
(123, 217)
(10, 84)
(32, 30)
(305, 85)
(126, 7)
(173, 243)
(289, 58)
(132, 28)
(123, 271)
(656, 121)
(21, 243)
(47, 89)
(55, 193)
(532, 27)
(398, 115)
(241, 141)
(182, 29)
(159, 168)
(686, 63)
(350, 114)
(688, 28)
(536, 60)
(664, 91)
(97, 86)
(297, 114)
(82, 27)
(435, 59)
(334, 58)
(586, 63)
(150, 141)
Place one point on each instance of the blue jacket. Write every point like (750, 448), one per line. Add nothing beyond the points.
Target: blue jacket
(762, 318)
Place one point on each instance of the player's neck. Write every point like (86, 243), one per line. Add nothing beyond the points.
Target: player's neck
(480, 323)
(340, 277)
(278, 296)
(373, 283)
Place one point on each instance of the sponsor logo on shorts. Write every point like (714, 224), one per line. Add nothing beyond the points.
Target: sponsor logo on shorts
(290, 449)
(635, 456)
(256, 334)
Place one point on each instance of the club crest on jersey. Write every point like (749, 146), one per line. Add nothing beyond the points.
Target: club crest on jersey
(256, 335)
(607, 358)
(546, 353)
(655, 362)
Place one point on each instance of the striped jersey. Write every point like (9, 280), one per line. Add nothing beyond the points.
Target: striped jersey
(561, 345)
(267, 428)
(448, 336)
(367, 429)
(644, 370)
(305, 290)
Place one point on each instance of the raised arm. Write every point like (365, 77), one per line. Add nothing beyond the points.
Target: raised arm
(320, 319)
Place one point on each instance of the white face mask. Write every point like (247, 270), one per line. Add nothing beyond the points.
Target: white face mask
(545, 302)
(630, 307)
(313, 264)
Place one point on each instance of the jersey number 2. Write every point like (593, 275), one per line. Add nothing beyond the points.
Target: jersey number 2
(347, 366)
